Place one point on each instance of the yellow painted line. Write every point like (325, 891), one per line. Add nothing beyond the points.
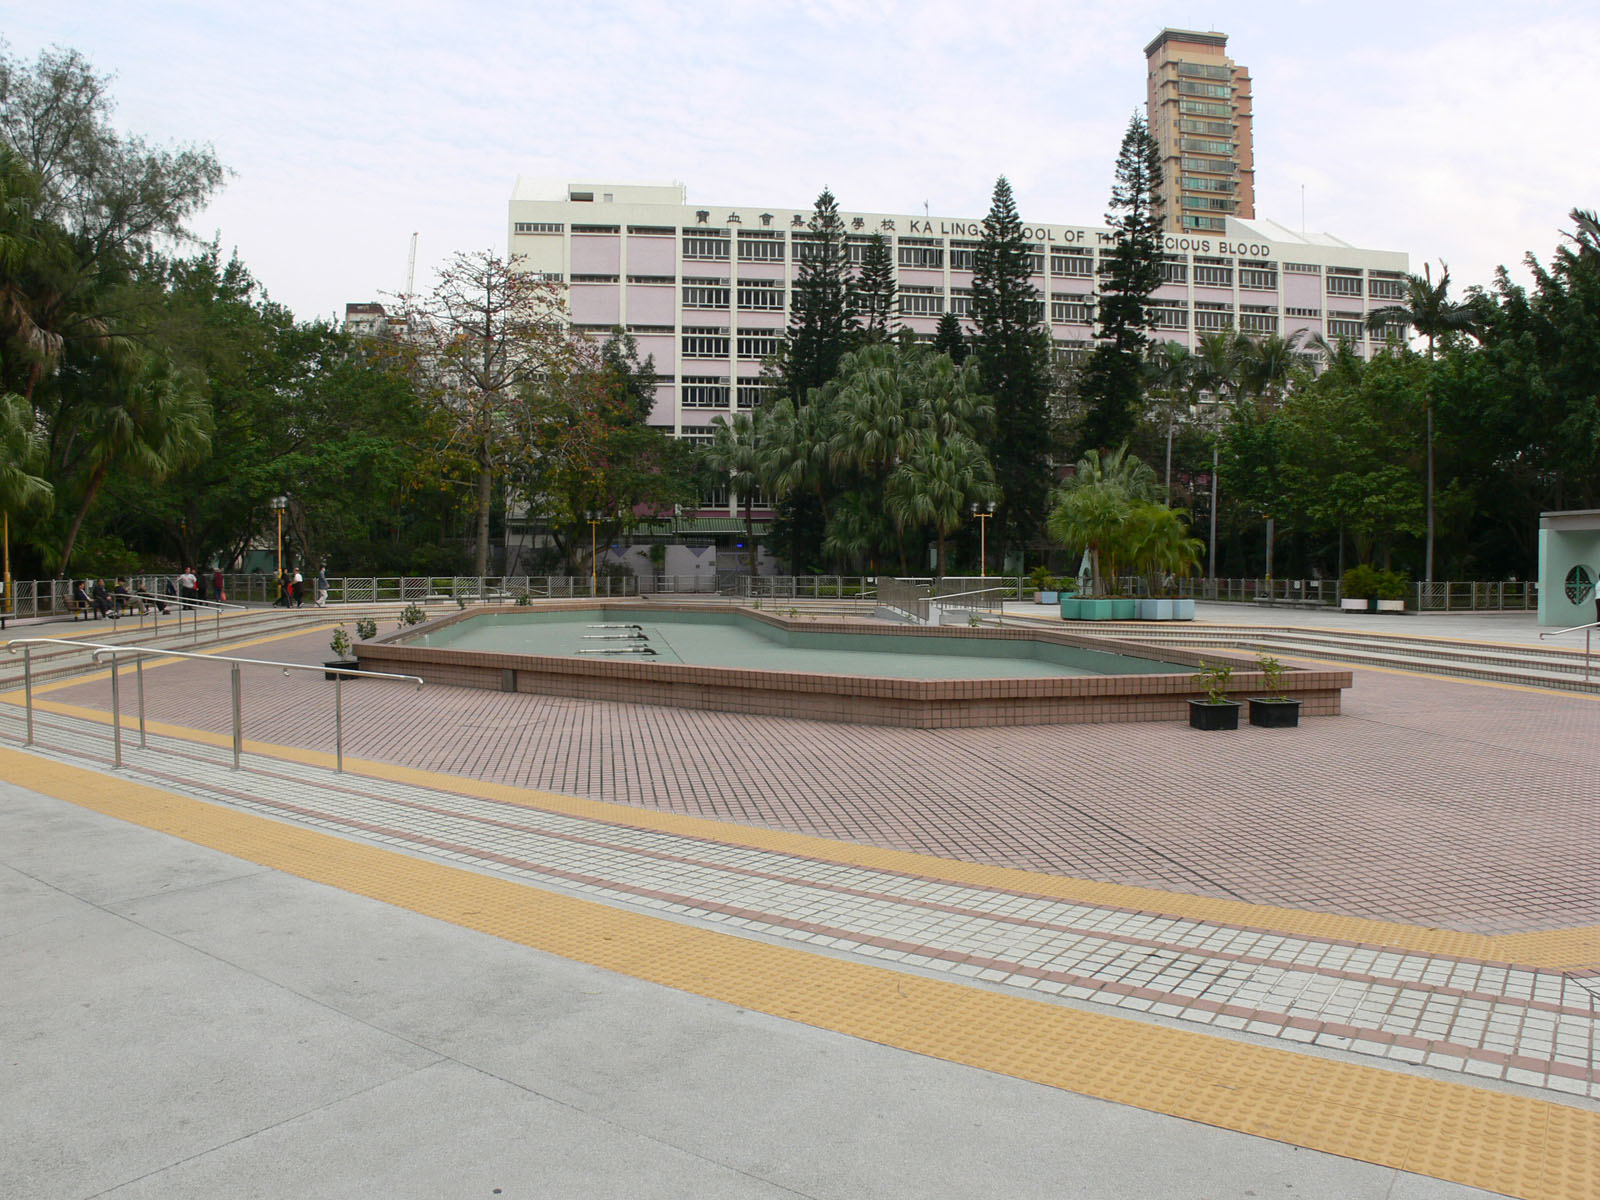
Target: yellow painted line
(1442, 678)
(1512, 1144)
(1564, 948)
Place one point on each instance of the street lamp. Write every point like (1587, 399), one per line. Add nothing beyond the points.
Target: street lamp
(279, 503)
(983, 512)
(594, 518)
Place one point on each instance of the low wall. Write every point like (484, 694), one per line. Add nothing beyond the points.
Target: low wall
(911, 703)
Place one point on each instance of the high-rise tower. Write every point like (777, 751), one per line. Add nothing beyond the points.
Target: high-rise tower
(1199, 113)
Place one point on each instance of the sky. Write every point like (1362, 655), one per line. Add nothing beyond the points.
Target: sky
(1455, 132)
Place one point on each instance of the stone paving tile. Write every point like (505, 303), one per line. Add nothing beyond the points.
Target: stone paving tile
(1430, 801)
(1529, 1027)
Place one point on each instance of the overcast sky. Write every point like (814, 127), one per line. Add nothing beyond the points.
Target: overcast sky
(1460, 131)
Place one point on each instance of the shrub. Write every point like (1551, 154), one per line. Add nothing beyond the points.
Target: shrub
(412, 614)
(366, 629)
(1393, 585)
(1360, 583)
(1272, 669)
(1213, 680)
(339, 643)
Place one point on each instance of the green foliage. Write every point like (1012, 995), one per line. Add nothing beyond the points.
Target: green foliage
(339, 643)
(1213, 679)
(949, 340)
(1011, 348)
(366, 629)
(873, 291)
(412, 614)
(821, 323)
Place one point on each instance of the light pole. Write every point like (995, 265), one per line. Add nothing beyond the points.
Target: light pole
(279, 503)
(983, 513)
(594, 562)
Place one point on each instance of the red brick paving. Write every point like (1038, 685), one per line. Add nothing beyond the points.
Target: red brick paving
(1430, 801)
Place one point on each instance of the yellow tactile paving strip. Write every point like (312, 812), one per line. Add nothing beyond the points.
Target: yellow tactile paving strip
(1505, 1143)
(1570, 948)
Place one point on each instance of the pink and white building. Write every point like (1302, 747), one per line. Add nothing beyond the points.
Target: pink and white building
(705, 288)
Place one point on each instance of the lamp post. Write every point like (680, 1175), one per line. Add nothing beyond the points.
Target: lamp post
(279, 503)
(983, 513)
(594, 519)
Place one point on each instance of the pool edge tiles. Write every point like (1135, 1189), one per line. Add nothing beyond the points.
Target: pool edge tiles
(851, 699)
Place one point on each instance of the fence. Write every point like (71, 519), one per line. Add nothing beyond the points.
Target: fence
(1439, 596)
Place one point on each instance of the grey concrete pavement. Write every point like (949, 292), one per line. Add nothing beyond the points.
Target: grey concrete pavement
(177, 1023)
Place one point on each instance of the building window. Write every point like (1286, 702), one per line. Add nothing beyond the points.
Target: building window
(1210, 202)
(1386, 289)
(1217, 91)
(923, 254)
(702, 435)
(753, 393)
(1262, 277)
(1349, 330)
(1210, 318)
(1191, 221)
(652, 230)
(1072, 264)
(1215, 128)
(1204, 70)
(761, 295)
(1312, 313)
(920, 301)
(704, 392)
(1254, 319)
(653, 280)
(761, 246)
(705, 343)
(713, 497)
(961, 301)
(594, 279)
(1204, 146)
(1071, 310)
(762, 344)
(596, 229)
(855, 247)
(1168, 314)
(1174, 270)
(539, 227)
(1216, 166)
(1344, 285)
(1034, 257)
(710, 244)
(1205, 108)
(961, 255)
(1302, 268)
(1071, 351)
(705, 293)
(1195, 183)
(1213, 272)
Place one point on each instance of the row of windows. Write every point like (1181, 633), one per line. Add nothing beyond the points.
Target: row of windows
(538, 227)
(1213, 203)
(1205, 108)
(1200, 184)
(1192, 125)
(700, 391)
(1204, 146)
(1204, 70)
(715, 343)
(1215, 166)
(1218, 91)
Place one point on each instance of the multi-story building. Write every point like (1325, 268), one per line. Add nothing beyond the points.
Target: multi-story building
(705, 289)
(1199, 113)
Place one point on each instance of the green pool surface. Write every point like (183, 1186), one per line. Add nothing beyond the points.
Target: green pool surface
(729, 640)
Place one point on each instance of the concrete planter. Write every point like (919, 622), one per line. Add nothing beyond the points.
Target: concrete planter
(1048, 597)
(1355, 604)
(1391, 606)
(1155, 610)
(1071, 608)
(1098, 609)
(1124, 608)
(1183, 610)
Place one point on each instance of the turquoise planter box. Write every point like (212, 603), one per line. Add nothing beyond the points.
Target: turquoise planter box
(1049, 597)
(1183, 610)
(1124, 609)
(1095, 610)
(1071, 608)
(1155, 610)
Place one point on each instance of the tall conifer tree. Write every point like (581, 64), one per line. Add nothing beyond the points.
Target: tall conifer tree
(820, 320)
(1012, 350)
(1112, 378)
(949, 339)
(874, 289)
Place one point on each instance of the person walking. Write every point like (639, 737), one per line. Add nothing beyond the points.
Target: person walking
(322, 586)
(186, 584)
(219, 585)
(299, 587)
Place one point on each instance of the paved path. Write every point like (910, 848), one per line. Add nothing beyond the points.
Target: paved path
(1286, 926)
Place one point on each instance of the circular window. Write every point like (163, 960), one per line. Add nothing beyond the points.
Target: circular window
(1580, 584)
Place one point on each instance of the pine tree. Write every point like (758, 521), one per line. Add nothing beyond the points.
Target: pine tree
(1012, 350)
(873, 292)
(820, 320)
(1112, 378)
(948, 339)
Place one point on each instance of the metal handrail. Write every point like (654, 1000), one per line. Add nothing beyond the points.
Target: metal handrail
(152, 601)
(1588, 635)
(142, 652)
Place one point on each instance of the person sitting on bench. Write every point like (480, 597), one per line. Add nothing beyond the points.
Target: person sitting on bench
(80, 600)
(100, 598)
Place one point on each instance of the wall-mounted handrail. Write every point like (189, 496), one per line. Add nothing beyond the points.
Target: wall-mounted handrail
(140, 653)
(1588, 635)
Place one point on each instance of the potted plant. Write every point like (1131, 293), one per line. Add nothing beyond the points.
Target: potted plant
(1390, 590)
(1358, 589)
(366, 629)
(1043, 583)
(1216, 711)
(339, 643)
(1274, 710)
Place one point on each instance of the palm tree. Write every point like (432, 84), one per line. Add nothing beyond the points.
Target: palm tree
(733, 455)
(1094, 505)
(1428, 309)
(1158, 542)
(935, 483)
(1218, 370)
(1172, 372)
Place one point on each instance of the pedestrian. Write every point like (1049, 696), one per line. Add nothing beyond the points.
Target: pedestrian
(166, 591)
(219, 585)
(322, 586)
(80, 599)
(100, 598)
(299, 586)
(186, 584)
(283, 590)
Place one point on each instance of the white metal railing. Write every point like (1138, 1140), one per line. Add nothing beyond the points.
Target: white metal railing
(140, 653)
(1588, 637)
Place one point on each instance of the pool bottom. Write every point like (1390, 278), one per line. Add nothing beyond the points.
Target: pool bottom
(852, 699)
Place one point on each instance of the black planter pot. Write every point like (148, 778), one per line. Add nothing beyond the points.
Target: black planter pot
(1205, 715)
(348, 664)
(1274, 714)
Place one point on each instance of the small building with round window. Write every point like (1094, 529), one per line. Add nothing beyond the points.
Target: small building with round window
(1569, 564)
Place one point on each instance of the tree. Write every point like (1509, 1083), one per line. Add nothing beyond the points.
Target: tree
(1218, 369)
(821, 323)
(936, 482)
(1094, 508)
(1112, 378)
(1428, 309)
(733, 455)
(1171, 372)
(619, 356)
(479, 346)
(949, 339)
(872, 295)
(1012, 351)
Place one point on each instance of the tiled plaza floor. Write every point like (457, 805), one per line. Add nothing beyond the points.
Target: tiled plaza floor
(1437, 802)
